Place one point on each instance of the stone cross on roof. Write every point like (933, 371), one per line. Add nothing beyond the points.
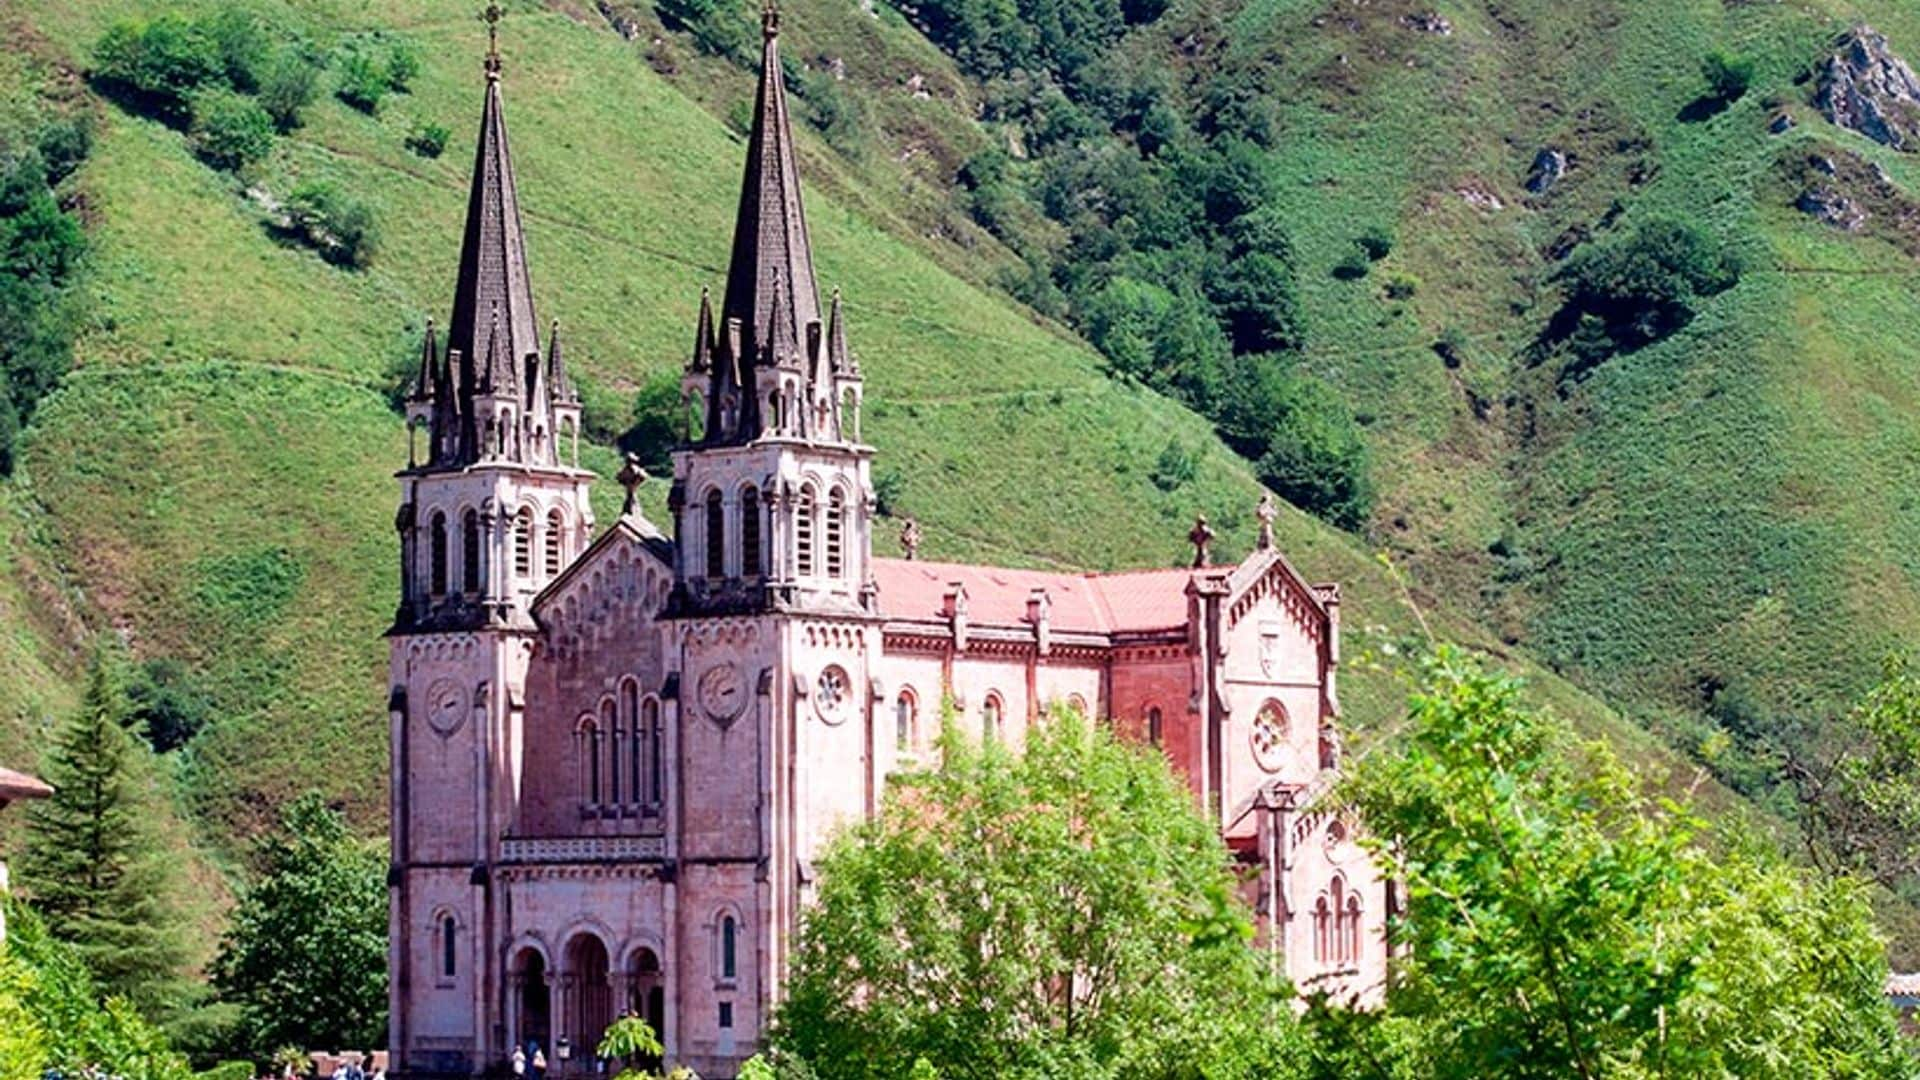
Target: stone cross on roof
(1202, 540)
(910, 538)
(1266, 512)
(492, 16)
(631, 477)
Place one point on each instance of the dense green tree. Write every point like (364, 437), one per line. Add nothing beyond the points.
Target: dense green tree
(1646, 283)
(40, 250)
(159, 64)
(240, 43)
(305, 957)
(1860, 782)
(658, 417)
(93, 864)
(1728, 76)
(290, 84)
(1063, 912)
(1317, 458)
(230, 131)
(53, 1015)
(1559, 923)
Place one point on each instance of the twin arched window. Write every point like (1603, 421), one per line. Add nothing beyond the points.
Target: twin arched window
(437, 555)
(750, 533)
(555, 540)
(1336, 925)
(716, 536)
(836, 534)
(523, 542)
(470, 553)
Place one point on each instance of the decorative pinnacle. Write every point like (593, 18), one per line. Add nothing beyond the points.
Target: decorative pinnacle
(1202, 540)
(492, 16)
(631, 477)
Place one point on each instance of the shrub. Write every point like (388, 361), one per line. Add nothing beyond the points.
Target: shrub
(1402, 286)
(341, 227)
(1728, 76)
(428, 140)
(160, 63)
(718, 27)
(362, 83)
(1175, 467)
(403, 66)
(289, 86)
(1376, 241)
(240, 42)
(657, 419)
(1353, 265)
(63, 143)
(1644, 285)
(230, 131)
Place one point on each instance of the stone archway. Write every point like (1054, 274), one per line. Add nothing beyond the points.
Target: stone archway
(587, 983)
(530, 986)
(647, 996)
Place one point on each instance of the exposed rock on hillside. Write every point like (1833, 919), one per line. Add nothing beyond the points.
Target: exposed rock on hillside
(1853, 194)
(1549, 165)
(1866, 87)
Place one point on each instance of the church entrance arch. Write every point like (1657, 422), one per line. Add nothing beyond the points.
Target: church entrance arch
(647, 995)
(588, 986)
(532, 1002)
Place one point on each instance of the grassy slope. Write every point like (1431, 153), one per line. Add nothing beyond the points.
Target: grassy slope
(1727, 506)
(214, 476)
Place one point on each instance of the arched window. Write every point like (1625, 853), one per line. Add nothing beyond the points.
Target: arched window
(750, 533)
(589, 736)
(656, 776)
(990, 717)
(729, 946)
(1156, 727)
(1352, 940)
(523, 542)
(630, 761)
(1338, 909)
(470, 553)
(449, 947)
(904, 708)
(1320, 929)
(716, 537)
(437, 555)
(617, 725)
(803, 533)
(836, 530)
(1079, 706)
(555, 540)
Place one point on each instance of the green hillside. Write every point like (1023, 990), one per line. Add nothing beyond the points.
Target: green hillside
(1723, 508)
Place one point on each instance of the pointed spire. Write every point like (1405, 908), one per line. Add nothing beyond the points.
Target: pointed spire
(493, 280)
(771, 252)
(425, 387)
(842, 357)
(702, 358)
(558, 383)
(778, 339)
(496, 372)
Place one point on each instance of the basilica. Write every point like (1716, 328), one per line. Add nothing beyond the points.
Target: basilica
(618, 748)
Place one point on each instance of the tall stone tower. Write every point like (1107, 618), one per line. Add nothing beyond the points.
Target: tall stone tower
(493, 506)
(773, 616)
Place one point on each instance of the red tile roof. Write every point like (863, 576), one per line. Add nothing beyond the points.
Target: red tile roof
(1094, 603)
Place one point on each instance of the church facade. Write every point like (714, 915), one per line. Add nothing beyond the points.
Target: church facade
(616, 751)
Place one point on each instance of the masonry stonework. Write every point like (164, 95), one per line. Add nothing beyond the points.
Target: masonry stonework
(616, 754)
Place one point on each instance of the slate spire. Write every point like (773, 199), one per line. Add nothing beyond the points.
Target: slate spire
(771, 252)
(493, 283)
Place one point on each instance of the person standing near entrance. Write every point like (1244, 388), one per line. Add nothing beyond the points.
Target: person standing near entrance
(539, 1063)
(519, 1063)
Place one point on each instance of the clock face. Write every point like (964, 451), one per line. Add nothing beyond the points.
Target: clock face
(831, 693)
(446, 706)
(722, 692)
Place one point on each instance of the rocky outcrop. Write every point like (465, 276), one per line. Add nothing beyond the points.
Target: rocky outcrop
(1866, 87)
(1845, 191)
(1428, 22)
(1549, 165)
